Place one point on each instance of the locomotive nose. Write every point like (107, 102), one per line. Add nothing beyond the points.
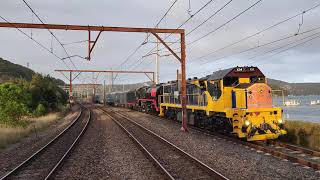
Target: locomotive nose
(259, 96)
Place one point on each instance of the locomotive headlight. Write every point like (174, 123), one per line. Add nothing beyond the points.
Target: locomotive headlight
(246, 123)
(280, 121)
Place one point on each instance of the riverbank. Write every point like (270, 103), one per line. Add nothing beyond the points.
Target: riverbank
(302, 133)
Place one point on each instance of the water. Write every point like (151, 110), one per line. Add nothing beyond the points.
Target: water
(304, 111)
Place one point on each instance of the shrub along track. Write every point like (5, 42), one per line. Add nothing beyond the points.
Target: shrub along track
(44, 163)
(306, 157)
(175, 163)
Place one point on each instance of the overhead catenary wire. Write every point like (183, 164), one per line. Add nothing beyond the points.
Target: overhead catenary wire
(140, 60)
(37, 42)
(148, 35)
(288, 44)
(183, 23)
(261, 45)
(146, 39)
(65, 50)
(309, 38)
(224, 24)
(259, 32)
(284, 50)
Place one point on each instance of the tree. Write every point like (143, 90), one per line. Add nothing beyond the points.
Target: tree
(12, 103)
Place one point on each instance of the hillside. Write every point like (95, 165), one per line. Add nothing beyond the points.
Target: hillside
(295, 88)
(288, 88)
(10, 71)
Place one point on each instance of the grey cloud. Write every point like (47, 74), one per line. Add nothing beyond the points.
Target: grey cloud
(114, 48)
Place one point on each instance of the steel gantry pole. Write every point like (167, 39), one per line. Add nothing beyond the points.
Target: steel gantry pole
(182, 60)
(70, 88)
(183, 83)
(157, 65)
(154, 31)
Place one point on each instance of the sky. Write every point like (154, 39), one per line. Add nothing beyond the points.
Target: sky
(293, 57)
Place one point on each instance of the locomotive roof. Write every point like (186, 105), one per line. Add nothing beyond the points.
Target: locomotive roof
(234, 72)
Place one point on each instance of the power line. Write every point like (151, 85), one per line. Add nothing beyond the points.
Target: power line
(261, 45)
(187, 20)
(148, 35)
(299, 44)
(213, 15)
(257, 33)
(41, 45)
(309, 38)
(224, 24)
(192, 16)
(288, 44)
(312, 37)
(65, 50)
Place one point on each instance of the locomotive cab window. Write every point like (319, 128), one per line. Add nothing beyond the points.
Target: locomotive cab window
(230, 81)
(214, 89)
(257, 79)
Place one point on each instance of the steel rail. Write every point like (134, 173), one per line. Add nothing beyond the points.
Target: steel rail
(155, 161)
(70, 148)
(205, 167)
(297, 148)
(56, 138)
(263, 148)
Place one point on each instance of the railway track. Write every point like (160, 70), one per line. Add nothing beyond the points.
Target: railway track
(296, 154)
(173, 161)
(46, 161)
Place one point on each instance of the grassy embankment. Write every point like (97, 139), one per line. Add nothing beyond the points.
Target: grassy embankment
(10, 135)
(303, 133)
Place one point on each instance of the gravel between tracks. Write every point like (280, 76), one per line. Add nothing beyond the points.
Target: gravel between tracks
(17, 153)
(232, 160)
(178, 165)
(106, 152)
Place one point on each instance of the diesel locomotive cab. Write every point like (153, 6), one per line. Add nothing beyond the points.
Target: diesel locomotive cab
(236, 100)
(251, 108)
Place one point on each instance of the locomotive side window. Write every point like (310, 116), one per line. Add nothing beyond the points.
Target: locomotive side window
(214, 89)
(230, 81)
(257, 79)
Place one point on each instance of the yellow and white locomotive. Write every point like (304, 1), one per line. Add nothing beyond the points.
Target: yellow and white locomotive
(236, 100)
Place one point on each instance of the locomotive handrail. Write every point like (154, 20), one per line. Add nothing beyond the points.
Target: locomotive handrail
(172, 99)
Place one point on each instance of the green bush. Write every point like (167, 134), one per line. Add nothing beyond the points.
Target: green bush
(12, 104)
(40, 110)
(39, 96)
